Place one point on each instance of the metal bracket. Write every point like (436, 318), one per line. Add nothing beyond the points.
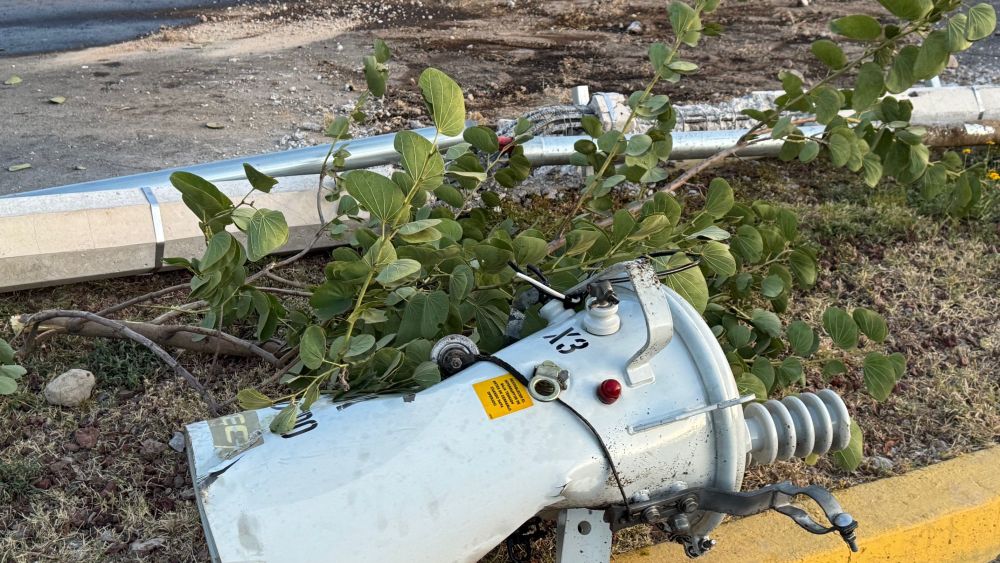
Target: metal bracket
(582, 536)
(659, 321)
(671, 512)
(154, 210)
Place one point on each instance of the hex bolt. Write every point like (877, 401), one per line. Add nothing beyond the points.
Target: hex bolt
(651, 514)
(688, 505)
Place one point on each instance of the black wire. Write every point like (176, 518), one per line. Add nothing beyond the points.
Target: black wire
(607, 453)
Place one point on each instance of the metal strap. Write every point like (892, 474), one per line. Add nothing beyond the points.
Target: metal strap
(979, 103)
(154, 210)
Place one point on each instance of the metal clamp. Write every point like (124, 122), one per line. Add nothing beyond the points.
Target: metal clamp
(670, 512)
(154, 210)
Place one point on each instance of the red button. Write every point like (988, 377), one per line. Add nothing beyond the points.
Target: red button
(609, 391)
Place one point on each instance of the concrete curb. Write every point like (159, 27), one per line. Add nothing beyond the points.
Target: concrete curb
(948, 512)
(65, 238)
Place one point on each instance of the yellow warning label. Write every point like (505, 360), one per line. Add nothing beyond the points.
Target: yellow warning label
(502, 395)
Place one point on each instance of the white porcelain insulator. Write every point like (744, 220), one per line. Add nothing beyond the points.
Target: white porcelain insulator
(797, 426)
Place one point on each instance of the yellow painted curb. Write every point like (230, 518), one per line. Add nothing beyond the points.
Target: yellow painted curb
(948, 512)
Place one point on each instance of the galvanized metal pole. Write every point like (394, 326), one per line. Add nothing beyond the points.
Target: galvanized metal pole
(365, 152)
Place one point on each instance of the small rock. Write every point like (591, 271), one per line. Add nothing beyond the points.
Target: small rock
(176, 443)
(86, 437)
(881, 463)
(414, 124)
(44, 483)
(952, 61)
(311, 126)
(146, 546)
(187, 494)
(635, 28)
(107, 536)
(70, 388)
(151, 448)
(802, 3)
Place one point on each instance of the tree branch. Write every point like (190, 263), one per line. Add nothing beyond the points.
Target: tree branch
(125, 332)
(173, 336)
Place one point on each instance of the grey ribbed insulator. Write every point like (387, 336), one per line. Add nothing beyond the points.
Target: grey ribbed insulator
(797, 426)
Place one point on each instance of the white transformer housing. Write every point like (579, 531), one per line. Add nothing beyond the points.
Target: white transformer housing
(448, 473)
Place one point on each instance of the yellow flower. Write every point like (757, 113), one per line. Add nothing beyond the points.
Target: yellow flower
(966, 151)
(993, 175)
(991, 142)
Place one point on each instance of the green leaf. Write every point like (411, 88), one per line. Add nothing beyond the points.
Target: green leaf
(932, 57)
(766, 322)
(841, 328)
(7, 386)
(423, 317)
(809, 152)
(898, 364)
(870, 323)
(710, 232)
(841, 146)
(827, 101)
(426, 374)
(375, 76)
(482, 138)
(449, 195)
(420, 160)
(312, 347)
(375, 193)
(850, 457)
(685, 23)
(591, 125)
(832, 368)
(380, 254)
(980, 22)
(332, 299)
(218, 248)
(250, 399)
(338, 128)
(689, 284)
(14, 372)
(622, 225)
(638, 145)
(748, 384)
(788, 223)
(580, 241)
(267, 232)
(719, 199)
(284, 421)
(801, 337)
(772, 286)
(652, 224)
(359, 345)
(869, 87)
(764, 371)
(414, 227)
(382, 52)
(460, 283)
(397, 270)
(859, 27)
(529, 250)
(260, 181)
(748, 244)
(871, 169)
(829, 53)
(789, 372)
(6, 352)
(717, 257)
(200, 196)
(444, 101)
(879, 375)
(492, 259)
(803, 267)
(956, 33)
(901, 74)
(909, 10)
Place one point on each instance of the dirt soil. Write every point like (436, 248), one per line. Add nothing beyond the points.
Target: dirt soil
(101, 483)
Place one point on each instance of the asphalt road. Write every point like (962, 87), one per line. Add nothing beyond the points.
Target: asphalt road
(41, 26)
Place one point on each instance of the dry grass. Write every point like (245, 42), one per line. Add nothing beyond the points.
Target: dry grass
(936, 283)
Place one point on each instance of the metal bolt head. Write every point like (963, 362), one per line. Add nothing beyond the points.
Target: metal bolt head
(651, 514)
(842, 520)
(688, 505)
